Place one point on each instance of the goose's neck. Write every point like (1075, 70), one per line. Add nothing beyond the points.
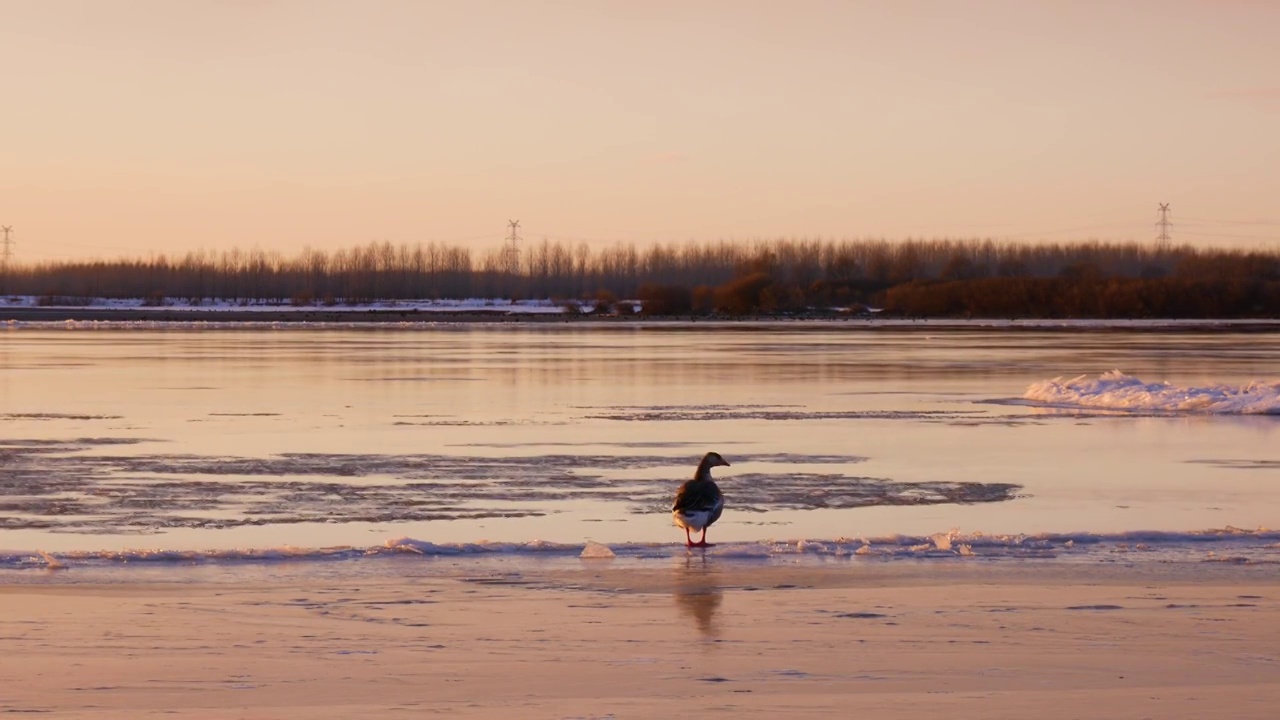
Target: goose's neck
(704, 471)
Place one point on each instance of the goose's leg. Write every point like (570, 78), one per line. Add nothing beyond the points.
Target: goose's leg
(702, 541)
(688, 541)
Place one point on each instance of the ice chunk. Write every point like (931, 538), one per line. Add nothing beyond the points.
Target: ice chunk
(53, 562)
(1116, 391)
(595, 551)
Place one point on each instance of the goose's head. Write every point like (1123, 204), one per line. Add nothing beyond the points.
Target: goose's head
(713, 459)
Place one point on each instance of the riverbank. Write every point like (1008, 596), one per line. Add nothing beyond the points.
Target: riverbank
(546, 314)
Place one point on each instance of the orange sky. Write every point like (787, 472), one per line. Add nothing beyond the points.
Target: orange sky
(138, 126)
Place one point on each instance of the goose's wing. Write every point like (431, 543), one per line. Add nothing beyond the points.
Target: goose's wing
(697, 496)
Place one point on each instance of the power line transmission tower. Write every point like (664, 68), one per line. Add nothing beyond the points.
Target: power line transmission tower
(511, 251)
(5, 254)
(8, 245)
(1163, 240)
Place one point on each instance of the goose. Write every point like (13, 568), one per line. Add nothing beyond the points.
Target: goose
(699, 501)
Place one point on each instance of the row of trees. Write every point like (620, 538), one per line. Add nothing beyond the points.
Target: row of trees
(916, 277)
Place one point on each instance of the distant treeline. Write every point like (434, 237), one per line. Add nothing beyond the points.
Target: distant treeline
(977, 278)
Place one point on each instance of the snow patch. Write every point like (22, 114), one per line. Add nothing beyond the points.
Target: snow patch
(494, 305)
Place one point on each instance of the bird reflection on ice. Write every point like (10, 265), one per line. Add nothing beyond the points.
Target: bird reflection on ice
(698, 593)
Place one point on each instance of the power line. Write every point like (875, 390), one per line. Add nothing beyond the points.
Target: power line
(1229, 235)
(1234, 222)
(1081, 228)
(116, 248)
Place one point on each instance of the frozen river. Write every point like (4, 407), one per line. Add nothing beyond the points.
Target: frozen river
(178, 437)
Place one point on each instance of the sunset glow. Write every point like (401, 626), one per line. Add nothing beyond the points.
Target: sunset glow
(150, 126)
